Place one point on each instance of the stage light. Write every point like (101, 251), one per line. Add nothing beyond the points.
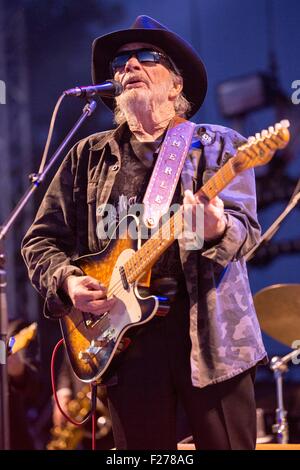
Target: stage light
(241, 95)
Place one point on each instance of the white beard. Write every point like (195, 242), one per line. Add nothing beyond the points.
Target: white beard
(137, 102)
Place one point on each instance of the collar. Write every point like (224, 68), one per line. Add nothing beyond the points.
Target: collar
(108, 136)
(111, 138)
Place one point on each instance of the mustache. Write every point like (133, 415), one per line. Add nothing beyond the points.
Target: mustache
(134, 78)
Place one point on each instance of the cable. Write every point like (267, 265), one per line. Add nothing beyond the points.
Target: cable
(50, 132)
(94, 425)
(92, 411)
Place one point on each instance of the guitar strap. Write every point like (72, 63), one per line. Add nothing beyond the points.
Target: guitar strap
(167, 170)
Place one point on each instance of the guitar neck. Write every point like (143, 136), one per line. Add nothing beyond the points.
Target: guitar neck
(143, 259)
(218, 181)
(248, 155)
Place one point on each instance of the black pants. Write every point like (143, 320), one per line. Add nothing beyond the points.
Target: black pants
(155, 375)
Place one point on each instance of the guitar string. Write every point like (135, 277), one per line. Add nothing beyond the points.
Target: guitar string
(228, 172)
(118, 286)
(212, 187)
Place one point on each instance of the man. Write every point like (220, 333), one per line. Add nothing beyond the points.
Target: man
(204, 352)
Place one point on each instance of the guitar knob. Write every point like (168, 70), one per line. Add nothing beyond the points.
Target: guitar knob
(271, 129)
(257, 136)
(285, 123)
(264, 133)
(99, 343)
(84, 357)
(278, 126)
(251, 139)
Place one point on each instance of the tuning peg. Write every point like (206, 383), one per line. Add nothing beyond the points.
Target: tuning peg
(257, 136)
(278, 126)
(271, 129)
(285, 123)
(264, 133)
(251, 139)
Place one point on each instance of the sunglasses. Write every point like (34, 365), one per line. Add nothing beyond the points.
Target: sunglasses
(142, 55)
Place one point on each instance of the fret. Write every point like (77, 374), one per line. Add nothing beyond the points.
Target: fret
(92, 353)
(219, 180)
(149, 253)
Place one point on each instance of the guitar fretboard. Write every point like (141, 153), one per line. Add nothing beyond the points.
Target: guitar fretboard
(219, 180)
(143, 259)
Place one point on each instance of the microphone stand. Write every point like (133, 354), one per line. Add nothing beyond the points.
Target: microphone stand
(275, 226)
(36, 180)
(279, 366)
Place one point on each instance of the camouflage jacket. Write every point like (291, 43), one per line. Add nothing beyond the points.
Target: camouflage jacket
(224, 330)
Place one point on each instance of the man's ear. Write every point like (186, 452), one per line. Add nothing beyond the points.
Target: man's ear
(177, 88)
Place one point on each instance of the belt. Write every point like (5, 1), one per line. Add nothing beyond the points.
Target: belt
(167, 286)
(166, 289)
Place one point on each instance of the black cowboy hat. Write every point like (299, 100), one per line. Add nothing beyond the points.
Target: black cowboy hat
(146, 29)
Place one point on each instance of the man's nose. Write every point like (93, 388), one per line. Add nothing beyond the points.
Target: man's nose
(132, 64)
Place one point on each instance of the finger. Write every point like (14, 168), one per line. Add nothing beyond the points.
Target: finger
(92, 283)
(102, 304)
(98, 306)
(86, 295)
(216, 201)
(189, 197)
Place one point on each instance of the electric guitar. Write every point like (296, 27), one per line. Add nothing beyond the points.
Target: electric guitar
(94, 343)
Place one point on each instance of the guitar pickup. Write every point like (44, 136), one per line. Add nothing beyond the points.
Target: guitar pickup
(90, 319)
(123, 277)
(88, 355)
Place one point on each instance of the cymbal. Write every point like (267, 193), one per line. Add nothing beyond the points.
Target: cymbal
(278, 311)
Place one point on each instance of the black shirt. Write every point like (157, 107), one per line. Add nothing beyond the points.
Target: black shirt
(138, 159)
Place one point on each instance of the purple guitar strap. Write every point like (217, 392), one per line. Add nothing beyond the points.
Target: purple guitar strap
(167, 170)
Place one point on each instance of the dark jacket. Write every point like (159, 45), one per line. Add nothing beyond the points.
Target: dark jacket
(224, 330)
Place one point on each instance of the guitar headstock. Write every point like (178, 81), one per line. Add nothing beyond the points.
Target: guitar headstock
(260, 149)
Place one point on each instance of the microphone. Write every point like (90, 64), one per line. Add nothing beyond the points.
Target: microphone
(109, 88)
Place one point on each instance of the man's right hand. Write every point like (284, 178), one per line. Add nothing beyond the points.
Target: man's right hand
(87, 294)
